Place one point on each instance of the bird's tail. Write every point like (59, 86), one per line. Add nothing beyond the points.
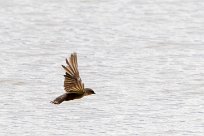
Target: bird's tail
(59, 99)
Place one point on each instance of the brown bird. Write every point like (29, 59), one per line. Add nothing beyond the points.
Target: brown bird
(73, 85)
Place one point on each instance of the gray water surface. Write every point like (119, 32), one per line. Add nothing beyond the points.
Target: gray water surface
(144, 60)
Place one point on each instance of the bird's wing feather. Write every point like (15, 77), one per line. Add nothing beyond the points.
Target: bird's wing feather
(72, 82)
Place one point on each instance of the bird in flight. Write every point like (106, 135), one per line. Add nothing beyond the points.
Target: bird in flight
(73, 86)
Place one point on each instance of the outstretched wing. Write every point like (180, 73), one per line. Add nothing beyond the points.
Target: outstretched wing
(72, 82)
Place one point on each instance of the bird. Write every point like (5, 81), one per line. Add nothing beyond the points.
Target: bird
(73, 85)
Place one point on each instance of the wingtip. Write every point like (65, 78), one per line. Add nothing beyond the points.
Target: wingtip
(74, 54)
(67, 61)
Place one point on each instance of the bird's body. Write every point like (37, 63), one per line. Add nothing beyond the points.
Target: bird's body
(72, 84)
(71, 96)
(66, 97)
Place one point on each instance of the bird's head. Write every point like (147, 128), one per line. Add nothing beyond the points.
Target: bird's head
(89, 91)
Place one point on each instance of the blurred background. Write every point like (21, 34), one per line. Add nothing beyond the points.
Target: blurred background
(144, 60)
